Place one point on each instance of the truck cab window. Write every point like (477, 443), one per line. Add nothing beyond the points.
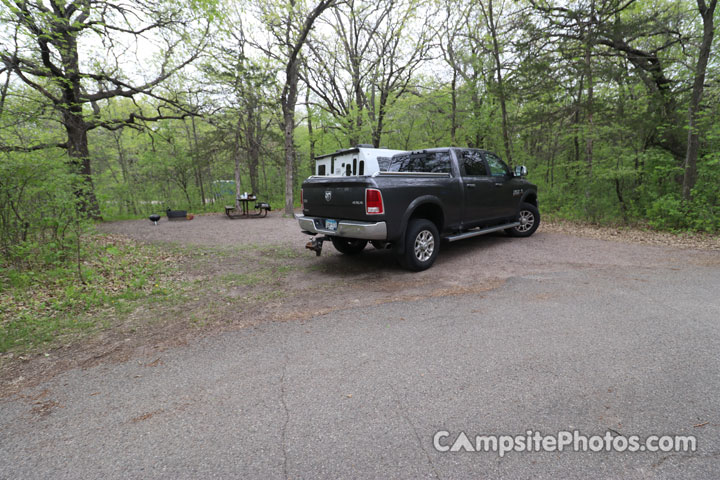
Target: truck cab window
(472, 164)
(438, 162)
(361, 168)
(497, 167)
(321, 170)
(348, 170)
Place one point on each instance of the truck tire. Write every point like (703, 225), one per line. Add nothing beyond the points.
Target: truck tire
(422, 244)
(348, 246)
(529, 218)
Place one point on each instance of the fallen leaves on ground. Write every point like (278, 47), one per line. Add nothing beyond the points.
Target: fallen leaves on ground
(699, 241)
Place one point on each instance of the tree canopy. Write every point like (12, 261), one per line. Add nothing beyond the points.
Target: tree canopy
(118, 109)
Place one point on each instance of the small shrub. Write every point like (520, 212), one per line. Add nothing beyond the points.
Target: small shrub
(668, 213)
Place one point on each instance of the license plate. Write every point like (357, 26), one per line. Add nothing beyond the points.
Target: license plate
(331, 225)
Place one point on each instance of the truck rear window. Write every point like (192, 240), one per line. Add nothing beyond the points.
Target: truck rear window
(429, 162)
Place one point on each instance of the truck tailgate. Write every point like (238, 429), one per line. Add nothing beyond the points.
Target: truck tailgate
(335, 197)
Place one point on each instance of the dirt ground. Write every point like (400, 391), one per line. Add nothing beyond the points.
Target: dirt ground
(239, 273)
(312, 285)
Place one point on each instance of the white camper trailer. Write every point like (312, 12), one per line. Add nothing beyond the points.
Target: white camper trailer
(360, 160)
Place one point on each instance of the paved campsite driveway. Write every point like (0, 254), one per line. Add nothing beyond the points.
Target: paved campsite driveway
(610, 337)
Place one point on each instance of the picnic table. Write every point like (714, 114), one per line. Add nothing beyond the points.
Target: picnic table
(260, 210)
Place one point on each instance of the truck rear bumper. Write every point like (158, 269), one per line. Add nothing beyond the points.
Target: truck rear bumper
(345, 228)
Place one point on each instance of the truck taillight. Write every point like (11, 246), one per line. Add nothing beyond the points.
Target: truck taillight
(373, 202)
(302, 203)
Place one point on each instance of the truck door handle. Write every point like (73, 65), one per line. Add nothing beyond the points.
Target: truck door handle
(470, 185)
(498, 184)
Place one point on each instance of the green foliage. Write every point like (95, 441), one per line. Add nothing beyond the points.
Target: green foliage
(38, 209)
(667, 212)
(42, 301)
(635, 134)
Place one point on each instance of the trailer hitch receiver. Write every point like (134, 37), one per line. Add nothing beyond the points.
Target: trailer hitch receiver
(316, 245)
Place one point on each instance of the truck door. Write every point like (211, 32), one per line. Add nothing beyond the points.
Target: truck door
(478, 188)
(501, 201)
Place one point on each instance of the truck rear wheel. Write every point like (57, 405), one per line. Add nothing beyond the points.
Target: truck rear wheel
(422, 244)
(348, 246)
(529, 218)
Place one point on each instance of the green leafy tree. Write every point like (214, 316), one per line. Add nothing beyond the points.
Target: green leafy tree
(51, 52)
(289, 23)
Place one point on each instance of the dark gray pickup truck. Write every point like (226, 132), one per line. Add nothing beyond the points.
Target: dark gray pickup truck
(425, 196)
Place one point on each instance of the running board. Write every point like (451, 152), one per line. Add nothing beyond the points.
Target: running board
(483, 231)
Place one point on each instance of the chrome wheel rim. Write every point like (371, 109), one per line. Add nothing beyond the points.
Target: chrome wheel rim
(424, 245)
(527, 220)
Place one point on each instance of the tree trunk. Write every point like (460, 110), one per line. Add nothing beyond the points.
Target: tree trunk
(590, 92)
(76, 127)
(311, 133)
(252, 132)
(453, 114)
(477, 139)
(357, 128)
(380, 125)
(238, 184)
(3, 92)
(289, 99)
(77, 148)
(576, 126)
(253, 162)
(128, 197)
(198, 165)
(693, 143)
(500, 86)
(552, 162)
(590, 129)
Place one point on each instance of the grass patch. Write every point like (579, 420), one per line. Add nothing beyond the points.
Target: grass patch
(41, 303)
(121, 283)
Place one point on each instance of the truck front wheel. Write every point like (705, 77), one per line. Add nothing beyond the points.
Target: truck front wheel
(348, 246)
(529, 218)
(422, 244)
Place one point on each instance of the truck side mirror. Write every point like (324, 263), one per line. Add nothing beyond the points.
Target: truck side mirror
(520, 171)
